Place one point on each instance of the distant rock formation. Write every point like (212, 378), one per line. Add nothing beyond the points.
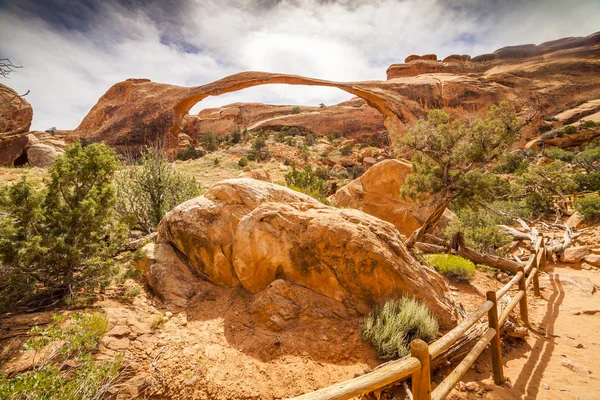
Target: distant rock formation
(250, 233)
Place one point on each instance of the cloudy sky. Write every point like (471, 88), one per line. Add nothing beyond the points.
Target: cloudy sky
(72, 51)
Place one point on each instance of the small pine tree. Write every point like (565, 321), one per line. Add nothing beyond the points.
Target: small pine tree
(60, 239)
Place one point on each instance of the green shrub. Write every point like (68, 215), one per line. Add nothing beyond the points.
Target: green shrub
(556, 153)
(356, 171)
(216, 162)
(236, 136)
(391, 328)
(58, 240)
(296, 110)
(454, 267)
(309, 140)
(243, 162)
(323, 173)
(511, 163)
(587, 182)
(190, 153)
(307, 181)
(480, 228)
(588, 124)
(259, 151)
(148, 191)
(346, 150)
(77, 339)
(209, 141)
(589, 207)
(570, 129)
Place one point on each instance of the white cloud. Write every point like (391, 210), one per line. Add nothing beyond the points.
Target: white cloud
(67, 71)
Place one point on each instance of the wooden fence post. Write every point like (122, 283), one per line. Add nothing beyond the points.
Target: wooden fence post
(523, 301)
(496, 346)
(421, 381)
(538, 264)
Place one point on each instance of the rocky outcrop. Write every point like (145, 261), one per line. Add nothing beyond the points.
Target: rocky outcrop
(137, 111)
(15, 112)
(250, 233)
(15, 119)
(377, 192)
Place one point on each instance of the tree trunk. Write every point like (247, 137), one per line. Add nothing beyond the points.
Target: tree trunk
(429, 223)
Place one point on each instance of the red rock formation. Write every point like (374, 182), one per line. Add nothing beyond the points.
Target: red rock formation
(15, 119)
(540, 80)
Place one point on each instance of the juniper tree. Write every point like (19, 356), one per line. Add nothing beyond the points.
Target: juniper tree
(61, 238)
(450, 159)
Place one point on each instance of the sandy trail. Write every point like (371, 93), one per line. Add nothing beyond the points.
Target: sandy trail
(565, 326)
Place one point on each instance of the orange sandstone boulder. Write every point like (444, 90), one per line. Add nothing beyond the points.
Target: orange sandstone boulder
(250, 233)
(15, 119)
(377, 192)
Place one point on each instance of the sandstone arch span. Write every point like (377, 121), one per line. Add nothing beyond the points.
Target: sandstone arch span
(136, 111)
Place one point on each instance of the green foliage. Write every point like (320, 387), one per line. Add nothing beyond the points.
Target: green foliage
(296, 110)
(236, 136)
(216, 162)
(454, 267)
(321, 105)
(570, 129)
(51, 131)
(323, 173)
(190, 153)
(511, 163)
(333, 136)
(449, 156)
(148, 191)
(556, 153)
(309, 140)
(62, 238)
(588, 124)
(209, 141)
(346, 150)
(307, 181)
(540, 183)
(587, 182)
(589, 207)
(52, 379)
(259, 151)
(243, 162)
(480, 228)
(391, 328)
(356, 171)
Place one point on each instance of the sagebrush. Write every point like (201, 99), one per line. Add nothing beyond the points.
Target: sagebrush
(391, 327)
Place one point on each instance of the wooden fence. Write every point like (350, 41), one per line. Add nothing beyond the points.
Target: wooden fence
(417, 365)
(569, 202)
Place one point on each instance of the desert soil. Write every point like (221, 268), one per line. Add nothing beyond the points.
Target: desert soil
(560, 357)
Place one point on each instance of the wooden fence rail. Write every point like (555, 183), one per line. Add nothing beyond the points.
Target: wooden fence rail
(417, 365)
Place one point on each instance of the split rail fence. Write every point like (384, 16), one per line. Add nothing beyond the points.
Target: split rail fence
(417, 365)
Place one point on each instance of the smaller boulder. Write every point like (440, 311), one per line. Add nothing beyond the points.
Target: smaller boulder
(42, 155)
(575, 254)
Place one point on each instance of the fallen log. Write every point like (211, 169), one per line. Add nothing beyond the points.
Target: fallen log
(478, 258)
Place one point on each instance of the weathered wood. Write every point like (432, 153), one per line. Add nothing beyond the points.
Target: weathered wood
(496, 345)
(440, 345)
(452, 379)
(421, 380)
(509, 307)
(391, 372)
(523, 302)
(504, 289)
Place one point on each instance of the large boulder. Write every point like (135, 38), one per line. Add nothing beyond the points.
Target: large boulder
(15, 119)
(15, 112)
(377, 192)
(249, 233)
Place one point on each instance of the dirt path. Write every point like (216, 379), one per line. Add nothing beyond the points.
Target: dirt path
(561, 356)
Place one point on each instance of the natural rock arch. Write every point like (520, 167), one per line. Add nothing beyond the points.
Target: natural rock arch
(136, 111)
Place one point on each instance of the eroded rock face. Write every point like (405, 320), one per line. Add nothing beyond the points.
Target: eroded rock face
(15, 112)
(15, 119)
(377, 192)
(250, 233)
(203, 228)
